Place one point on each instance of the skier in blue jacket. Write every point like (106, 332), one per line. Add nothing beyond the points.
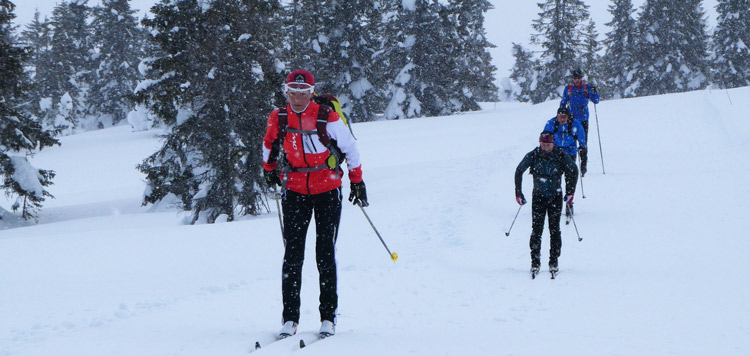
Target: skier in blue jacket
(576, 98)
(568, 133)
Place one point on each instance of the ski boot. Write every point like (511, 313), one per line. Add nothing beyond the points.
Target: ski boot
(289, 329)
(327, 328)
(553, 269)
(534, 266)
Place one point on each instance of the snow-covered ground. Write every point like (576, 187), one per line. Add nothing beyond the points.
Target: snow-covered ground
(660, 270)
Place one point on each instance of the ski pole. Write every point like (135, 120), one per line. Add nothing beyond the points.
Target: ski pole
(583, 194)
(514, 221)
(393, 255)
(278, 210)
(598, 134)
(574, 224)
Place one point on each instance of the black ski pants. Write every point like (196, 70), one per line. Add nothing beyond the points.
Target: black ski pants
(298, 210)
(540, 208)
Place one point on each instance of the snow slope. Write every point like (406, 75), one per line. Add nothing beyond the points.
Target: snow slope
(659, 271)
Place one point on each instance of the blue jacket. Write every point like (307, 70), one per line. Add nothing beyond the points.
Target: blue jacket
(567, 135)
(577, 100)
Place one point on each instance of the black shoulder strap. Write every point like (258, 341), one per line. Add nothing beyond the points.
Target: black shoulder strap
(570, 126)
(278, 143)
(322, 124)
(534, 155)
(282, 122)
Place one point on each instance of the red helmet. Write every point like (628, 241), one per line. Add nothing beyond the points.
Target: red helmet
(300, 76)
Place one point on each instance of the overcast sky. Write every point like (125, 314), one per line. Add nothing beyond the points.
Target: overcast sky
(509, 22)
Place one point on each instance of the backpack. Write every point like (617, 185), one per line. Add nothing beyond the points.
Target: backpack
(333, 102)
(585, 90)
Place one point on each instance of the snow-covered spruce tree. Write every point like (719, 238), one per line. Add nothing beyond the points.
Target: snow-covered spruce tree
(731, 67)
(591, 59)
(117, 38)
(418, 48)
(19, 135)
(476, 73)
(561, 33)
(38, 36)
(403, 24)
(300, 34)
(337, 46)
(383, 22)
(619, 58)
(70, 72)
(524, 73)
(672, 48)
(213, 90)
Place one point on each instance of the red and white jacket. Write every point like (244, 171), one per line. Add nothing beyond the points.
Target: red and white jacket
(306, 151)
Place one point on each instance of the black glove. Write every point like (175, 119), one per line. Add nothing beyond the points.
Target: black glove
(593, 89)
(272, 178)
(520, 199)
(358, 194)
(582, 150)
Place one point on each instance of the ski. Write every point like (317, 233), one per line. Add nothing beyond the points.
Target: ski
(534, 272)
(553, 274)
(258, 344)
(321, 336)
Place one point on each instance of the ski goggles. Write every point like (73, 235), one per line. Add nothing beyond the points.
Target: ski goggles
(299, 88)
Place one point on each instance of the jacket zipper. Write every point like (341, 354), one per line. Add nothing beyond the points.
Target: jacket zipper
(304, 155)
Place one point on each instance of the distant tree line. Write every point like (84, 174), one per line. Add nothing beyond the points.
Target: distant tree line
(666, 50)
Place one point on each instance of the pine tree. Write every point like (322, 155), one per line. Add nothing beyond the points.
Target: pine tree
(38, 37)
(20, 136)
(524, 73)
(619, 59)
(476, 74)
(302, 22)
(117, 37)
(418, 45)
(562, 35)
(338, 50)
(213, 89)
(732, 44)
(591, 60)
(672, 48)
(70, 72)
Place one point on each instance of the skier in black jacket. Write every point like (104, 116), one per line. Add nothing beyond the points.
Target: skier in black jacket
(548, 163)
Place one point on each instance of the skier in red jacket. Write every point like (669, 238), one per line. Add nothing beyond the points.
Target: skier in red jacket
(303, 148)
